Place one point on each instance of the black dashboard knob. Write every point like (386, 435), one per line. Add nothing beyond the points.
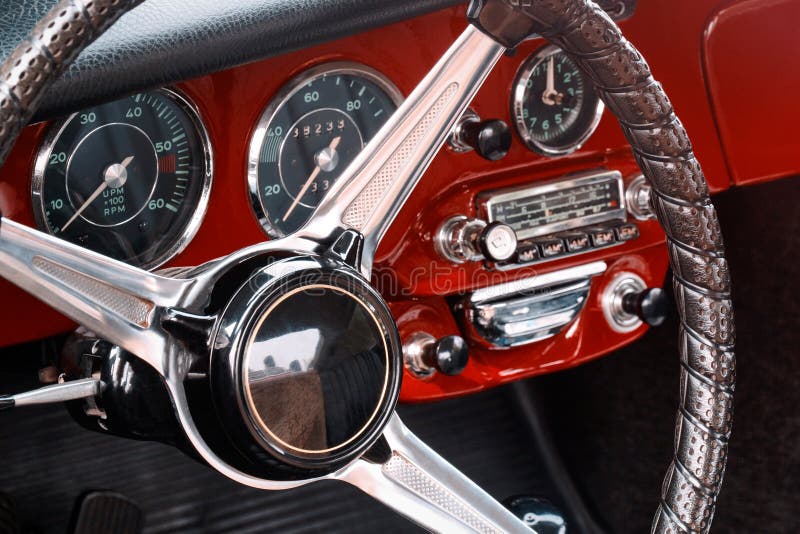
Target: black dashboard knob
(490, 139)
(449, 355)
(425, 355)
(651, 305)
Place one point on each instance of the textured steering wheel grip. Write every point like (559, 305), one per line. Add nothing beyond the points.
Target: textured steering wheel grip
(40, 59)
(681, 198)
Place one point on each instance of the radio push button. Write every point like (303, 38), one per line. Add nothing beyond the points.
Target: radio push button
(551, 247)
(602, 237)
(577, 241)
(627, 232)
(528, 253)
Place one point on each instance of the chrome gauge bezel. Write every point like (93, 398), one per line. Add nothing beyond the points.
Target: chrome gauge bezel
(276, 103)
(185, 237)
(517, 102)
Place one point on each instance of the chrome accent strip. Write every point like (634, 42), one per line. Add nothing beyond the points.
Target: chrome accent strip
(402, 471)
(113, 299)
(424, 487)
(370, 192)
(525, 318)
(536, 282)
(362, 208)
(131, 308)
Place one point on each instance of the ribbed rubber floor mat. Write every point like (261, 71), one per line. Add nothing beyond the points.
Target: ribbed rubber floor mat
(46, 461)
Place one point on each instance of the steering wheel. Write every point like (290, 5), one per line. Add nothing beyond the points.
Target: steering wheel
(334, 418)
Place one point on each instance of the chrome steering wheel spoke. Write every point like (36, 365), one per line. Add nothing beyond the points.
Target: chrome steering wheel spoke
(421, 485)
(117, 302)
(373, 189)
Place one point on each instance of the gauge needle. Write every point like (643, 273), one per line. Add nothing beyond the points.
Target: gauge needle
(310, 180)
(114, 176)
(550, 93)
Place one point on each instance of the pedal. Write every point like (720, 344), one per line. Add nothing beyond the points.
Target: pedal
(101, 512)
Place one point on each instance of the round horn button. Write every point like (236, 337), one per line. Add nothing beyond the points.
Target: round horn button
(316, 370)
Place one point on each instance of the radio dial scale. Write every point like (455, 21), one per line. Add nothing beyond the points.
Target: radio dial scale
(561, 217)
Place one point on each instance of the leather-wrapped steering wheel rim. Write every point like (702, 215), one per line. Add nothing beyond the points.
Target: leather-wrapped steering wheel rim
(660, 145)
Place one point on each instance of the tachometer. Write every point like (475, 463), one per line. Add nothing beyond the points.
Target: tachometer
(129, 179)
(555, 109)
(308, 134)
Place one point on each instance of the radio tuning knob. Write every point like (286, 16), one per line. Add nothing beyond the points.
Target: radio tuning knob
(490, 139)
(424, 355)
(462, 239)
(498, 242)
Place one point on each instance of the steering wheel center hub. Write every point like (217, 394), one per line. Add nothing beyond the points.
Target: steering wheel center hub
(315, 370)
(307, 365)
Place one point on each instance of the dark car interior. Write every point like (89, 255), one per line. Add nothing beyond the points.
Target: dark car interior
(430, 265)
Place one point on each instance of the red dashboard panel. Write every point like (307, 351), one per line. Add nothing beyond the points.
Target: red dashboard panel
(751, 80)
(230, 103)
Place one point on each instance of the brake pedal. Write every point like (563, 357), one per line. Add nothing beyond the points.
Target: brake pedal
(101, 512)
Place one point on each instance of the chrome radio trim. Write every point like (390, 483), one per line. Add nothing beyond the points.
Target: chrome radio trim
(488, 199)
(531, 309)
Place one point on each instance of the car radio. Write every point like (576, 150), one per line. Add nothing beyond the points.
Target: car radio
(561, 217)
(555, 206)
(547, 220)
(538, 222)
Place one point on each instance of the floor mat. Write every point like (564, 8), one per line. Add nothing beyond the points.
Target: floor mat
(46, 461)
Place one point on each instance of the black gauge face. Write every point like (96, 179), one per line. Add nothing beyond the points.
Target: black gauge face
(128, 179)
(308, 135)
(555, 108)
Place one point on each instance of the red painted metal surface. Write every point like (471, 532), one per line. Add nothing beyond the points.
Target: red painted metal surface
(754, 82)
(230, 102)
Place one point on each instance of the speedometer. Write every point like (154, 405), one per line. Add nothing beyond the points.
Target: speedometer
(311, 131)
(129, 179)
